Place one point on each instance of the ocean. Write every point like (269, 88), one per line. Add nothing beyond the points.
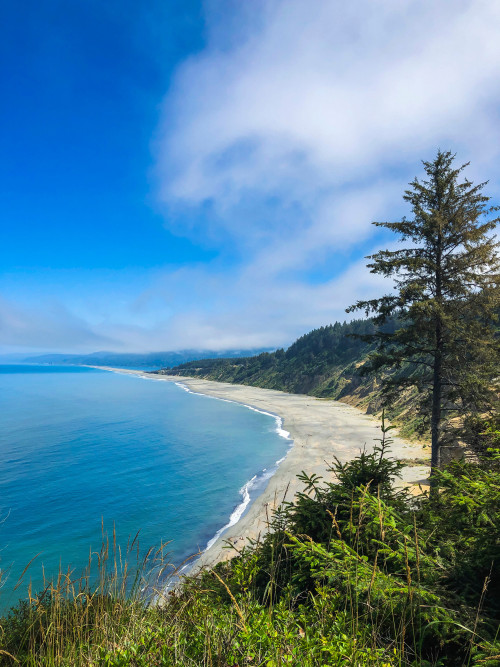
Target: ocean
(84, 450)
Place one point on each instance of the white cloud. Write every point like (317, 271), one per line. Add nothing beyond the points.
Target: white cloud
(316, 97)
(194, 307)
(244, 308)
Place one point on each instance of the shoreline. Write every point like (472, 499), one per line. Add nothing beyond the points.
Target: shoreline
(238, 513)
(320, 429)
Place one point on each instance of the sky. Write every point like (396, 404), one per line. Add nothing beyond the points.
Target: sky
(180, 174)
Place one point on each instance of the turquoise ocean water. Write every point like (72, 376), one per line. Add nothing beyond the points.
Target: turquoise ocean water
(81, 446)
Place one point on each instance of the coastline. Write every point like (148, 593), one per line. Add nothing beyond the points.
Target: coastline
(320, 430)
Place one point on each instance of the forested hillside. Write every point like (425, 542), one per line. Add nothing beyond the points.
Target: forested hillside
(313, 364)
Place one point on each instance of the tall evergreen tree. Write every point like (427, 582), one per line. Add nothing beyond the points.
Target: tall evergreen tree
(446, 299)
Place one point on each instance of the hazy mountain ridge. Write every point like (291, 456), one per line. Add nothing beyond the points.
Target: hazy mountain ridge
(131, 359)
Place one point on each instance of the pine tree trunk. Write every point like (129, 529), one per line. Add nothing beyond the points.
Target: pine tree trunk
(437, 383)
(435, 421)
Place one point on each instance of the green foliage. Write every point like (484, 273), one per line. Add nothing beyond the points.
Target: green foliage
(375, 470)
(483, 435)
(321, 509)
(327, 363)
(463, 527)
(419, 574)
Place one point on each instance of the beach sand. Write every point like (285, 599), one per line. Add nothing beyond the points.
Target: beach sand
(320, 429)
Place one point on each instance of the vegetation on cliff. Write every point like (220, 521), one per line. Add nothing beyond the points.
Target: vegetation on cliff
(326, 363)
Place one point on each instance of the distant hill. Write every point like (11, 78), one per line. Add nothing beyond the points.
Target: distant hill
(137, 360)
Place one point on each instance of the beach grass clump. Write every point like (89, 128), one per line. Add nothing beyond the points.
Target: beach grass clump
(351, 573)
(64, 622)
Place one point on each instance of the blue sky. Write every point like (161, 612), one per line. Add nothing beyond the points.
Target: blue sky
(181, 174)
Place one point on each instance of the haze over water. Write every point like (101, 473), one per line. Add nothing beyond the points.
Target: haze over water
(79, 445)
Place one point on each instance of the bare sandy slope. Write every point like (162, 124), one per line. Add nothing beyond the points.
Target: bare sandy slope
(320, 429)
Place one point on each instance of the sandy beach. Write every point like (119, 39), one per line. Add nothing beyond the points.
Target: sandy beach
(320, 429)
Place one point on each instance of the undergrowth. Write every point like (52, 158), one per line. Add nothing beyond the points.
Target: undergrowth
(350, 573)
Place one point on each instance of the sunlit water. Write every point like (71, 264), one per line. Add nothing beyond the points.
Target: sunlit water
(80, 446)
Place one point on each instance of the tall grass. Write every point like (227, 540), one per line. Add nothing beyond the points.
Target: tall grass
(73, 615)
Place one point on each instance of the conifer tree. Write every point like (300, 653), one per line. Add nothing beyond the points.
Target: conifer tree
(446, 300)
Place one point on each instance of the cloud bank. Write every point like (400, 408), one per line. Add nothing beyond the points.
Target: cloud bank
(319, 106)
